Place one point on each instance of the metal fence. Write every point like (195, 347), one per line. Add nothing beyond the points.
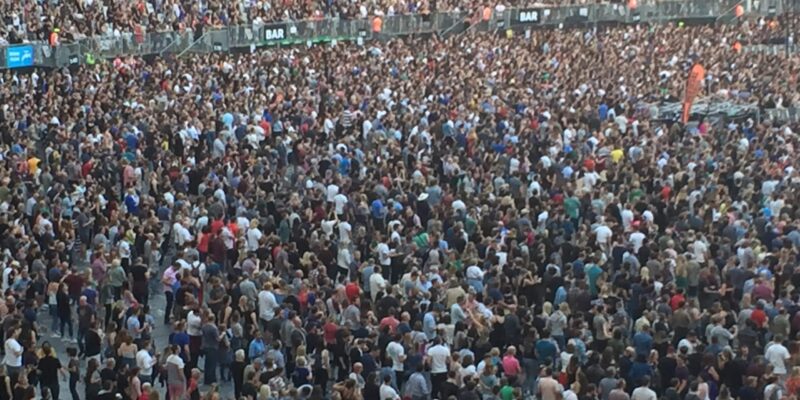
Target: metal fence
(298, 32)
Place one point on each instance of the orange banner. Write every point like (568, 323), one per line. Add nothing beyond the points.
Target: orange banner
(693, 85)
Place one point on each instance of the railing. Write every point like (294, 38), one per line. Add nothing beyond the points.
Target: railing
(783, 115)
(302, 32)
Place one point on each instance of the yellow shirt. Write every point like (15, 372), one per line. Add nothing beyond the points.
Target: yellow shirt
(616, 155)
(33, 165)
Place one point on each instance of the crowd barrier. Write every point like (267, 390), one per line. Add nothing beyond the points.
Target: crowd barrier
(91, 50)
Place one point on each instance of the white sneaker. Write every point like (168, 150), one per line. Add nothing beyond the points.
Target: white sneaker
(56, 334)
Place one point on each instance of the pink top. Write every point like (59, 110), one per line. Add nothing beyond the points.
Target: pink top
(510, 365)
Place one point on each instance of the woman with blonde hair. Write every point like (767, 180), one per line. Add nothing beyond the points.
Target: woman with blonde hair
(264, 393)
(681, 273)
(302, 374)
(644, 273)
(793, 383)
(557, 323)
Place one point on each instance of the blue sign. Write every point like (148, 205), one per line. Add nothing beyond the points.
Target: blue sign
(19, 56)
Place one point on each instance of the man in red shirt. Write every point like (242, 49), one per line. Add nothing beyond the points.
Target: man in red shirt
(677, 299)
(352, 291)
(758, 315)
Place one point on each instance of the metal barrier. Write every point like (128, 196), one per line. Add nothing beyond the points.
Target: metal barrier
(783, 115)
(297, 32)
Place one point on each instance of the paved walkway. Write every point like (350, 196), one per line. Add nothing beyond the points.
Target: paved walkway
(160, 337)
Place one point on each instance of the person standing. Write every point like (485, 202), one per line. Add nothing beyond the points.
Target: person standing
(116, 278)
(387, 392)
(64, 311)
(86, 316)
(73, 367)
(237, 371)
(49, 366)
(93, 342)
(145, 362)
(170, 280)
(778, 356)
(210, 349)
(643, 392)
(549, 388)
(417, 387)
(176, 378)
(13, 357)
(439, 361)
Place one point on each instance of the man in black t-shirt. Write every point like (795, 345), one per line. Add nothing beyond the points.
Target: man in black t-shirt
(86, 315)
(49, 367)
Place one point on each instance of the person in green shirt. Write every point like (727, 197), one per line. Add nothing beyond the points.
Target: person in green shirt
(592, 272)
(508, 392)
(572, 207)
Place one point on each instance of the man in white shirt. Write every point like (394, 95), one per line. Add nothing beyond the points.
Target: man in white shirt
(267, 304)
(438, 357)
(397, 354)
(145, 362)
(345, 230)
(777, 355)
(194, 326)
(182, 235)
(254, 235)
(637, 239)
(603, 235)
(376, 282)
(387, 392)
(384, 254)
(331, 191)
(700, 250)
(13, 357)
(643, 392)
(339, 202)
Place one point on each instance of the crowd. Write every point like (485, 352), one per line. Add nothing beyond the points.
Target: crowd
(71, 20)
(480, 217)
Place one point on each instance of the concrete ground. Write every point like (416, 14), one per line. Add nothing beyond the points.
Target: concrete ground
(160, 337)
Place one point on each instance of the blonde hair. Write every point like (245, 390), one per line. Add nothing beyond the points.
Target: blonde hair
(680, 266)
(264, 392)
(547, 308)
(645, 273)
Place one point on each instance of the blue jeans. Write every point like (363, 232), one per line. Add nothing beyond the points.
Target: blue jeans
(210, 366)
(53, 317)
(531, 369)
(81, 336)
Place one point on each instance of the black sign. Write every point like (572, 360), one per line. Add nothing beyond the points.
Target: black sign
(528, 16)
(217, 46)
(73, 60)
(275, 33)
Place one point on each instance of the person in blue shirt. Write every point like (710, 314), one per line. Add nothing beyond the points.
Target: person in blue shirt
(429, 324)
(643, 341)
(257, 347)
(181, 339)
(546, 349)
(602, 111)
(344, 165)
(131, 141)
(639, 369)
(91, 295)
